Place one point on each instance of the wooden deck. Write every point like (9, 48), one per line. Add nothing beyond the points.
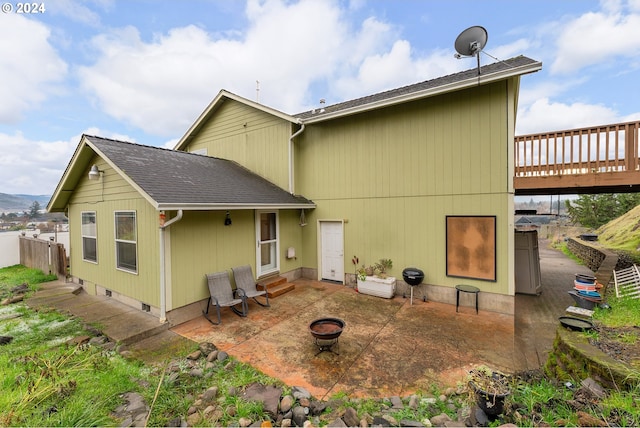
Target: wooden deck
(601, 159)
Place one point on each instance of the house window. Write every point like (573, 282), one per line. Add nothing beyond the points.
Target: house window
(89, 237)
(126, 241)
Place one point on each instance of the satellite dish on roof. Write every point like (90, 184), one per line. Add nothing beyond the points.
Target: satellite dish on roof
(471, 42)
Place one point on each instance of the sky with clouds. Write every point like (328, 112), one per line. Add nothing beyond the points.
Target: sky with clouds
(143, 71)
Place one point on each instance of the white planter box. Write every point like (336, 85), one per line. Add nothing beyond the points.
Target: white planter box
(378, 286)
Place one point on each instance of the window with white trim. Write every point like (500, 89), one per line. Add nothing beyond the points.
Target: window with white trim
(126, 241)
(89, 237)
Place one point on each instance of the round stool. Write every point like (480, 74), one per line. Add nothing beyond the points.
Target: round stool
(466, 289)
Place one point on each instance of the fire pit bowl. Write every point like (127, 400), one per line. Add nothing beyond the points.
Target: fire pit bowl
(326, 328)
(325, 332)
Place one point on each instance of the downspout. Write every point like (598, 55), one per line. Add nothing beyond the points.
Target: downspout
(163, 281)
(298, 132)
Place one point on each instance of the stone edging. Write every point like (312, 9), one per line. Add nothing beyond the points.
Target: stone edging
(574, 358)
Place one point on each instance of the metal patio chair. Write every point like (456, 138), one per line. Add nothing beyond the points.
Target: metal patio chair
(222, 295)
(243, 275)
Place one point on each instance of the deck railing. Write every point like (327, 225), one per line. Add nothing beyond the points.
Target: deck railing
(610, 148)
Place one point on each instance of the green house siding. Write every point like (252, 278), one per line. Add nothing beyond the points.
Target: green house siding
(254, 139)
(104, 197)
(200, 243)
(395, 174)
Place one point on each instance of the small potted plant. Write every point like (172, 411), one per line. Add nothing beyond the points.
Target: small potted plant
(381, 268)
(491, 388)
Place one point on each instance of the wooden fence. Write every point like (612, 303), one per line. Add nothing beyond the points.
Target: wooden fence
(48, 256)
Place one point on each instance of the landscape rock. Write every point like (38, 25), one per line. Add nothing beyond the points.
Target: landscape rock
(244, 422)
(20, 289)
(410, 423)
(594, 388)
(317, 407)
(413, 402)
(380, 422)
(98, 340)
(195, 355)
(440, 419)
(396, 402)
(286, 403)
(78, 340)
(210, 395)
(350, 417)
(192, 420)
(587, 420)
(299, 416)
(269, 396)
(206, 348)
(338, 423)
(197, 372)
(133, 411)
(299, 392)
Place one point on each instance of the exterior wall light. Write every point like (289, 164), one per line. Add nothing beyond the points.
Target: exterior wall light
(94, 173)
(227, 219)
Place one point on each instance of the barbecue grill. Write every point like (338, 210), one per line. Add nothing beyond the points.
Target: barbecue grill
(413, 277)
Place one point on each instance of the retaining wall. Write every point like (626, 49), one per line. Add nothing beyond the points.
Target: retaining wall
(574, 358)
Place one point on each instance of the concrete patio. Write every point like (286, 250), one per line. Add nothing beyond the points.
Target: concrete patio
(388, 346)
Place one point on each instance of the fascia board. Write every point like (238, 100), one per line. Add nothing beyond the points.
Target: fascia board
(230, 207)
(456, 86)
(79, 159)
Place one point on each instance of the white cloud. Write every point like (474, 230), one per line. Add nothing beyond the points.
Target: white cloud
(33, 167)
(543, 116)
(163, 85)
(77, 11)
(30, 67)
(599, 37)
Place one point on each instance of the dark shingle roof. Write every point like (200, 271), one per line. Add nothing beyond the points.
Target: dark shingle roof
(487, 70)
(179, 179)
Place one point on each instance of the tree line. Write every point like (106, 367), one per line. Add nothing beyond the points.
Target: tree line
(593, 211)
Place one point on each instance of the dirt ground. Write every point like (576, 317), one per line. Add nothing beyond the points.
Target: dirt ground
(621, 343)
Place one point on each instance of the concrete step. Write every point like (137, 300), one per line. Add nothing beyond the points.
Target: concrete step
(279, 289)
(275, 285)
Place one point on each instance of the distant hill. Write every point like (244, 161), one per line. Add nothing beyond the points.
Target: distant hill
(14, 203)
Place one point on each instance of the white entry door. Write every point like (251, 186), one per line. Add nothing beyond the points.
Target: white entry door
(268, 244)
(332, 250)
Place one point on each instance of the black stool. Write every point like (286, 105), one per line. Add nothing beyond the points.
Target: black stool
(466, 289)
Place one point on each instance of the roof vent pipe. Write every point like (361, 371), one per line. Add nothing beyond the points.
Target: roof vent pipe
(291, 171)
